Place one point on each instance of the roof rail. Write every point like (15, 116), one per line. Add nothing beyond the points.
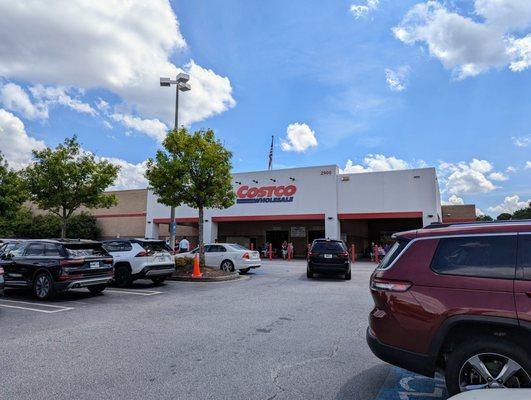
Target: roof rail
(437, 225)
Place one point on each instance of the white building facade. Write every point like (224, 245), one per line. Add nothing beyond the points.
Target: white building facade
(300, 204)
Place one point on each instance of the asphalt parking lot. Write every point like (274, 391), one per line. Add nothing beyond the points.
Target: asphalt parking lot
(271, 335)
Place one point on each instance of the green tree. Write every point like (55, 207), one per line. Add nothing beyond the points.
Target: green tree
(524, 213)
(60, 180)
(12, 190)
(504, 217)
(483, 218)
(193, 169)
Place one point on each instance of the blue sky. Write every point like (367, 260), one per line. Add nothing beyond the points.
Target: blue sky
(364, 84)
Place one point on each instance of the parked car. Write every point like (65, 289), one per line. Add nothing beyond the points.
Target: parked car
(328, 256)
(140, 259)
(228, 257)
(457, 297)
(51, 266)
(1, 281)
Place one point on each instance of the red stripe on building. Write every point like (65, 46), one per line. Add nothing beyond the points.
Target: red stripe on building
(181, 220)
(286, 217)
(124, 215)
(381, 215)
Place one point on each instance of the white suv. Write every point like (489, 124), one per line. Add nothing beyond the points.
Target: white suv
(140, 259)
(227, 256)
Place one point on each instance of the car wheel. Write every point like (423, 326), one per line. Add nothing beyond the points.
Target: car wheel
(309, 274)
(43, 286)
(159, 280)
(348, 276)
(244, 271)
(487, 363)
(96, 289)
(227, 266)
(122, 277)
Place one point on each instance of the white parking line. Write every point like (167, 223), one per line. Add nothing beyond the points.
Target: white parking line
(57, 308)
(137, 292)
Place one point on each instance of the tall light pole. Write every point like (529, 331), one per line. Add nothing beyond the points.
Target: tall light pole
(181, 85)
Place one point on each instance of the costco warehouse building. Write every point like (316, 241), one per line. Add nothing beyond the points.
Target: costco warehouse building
(301, 204)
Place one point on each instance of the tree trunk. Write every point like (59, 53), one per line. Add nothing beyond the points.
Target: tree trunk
(201, 240)
(63, 225)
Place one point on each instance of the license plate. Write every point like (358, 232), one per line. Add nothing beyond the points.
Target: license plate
(94, 264)
(328, 256)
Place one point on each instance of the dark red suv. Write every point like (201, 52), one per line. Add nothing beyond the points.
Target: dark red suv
(457, 298)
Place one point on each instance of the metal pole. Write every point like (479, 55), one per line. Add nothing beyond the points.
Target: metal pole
(173, 227)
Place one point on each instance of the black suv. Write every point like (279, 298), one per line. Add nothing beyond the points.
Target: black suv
(50, 266)
(328, 256)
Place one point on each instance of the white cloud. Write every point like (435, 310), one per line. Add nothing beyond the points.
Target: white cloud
(510, 169)
(362, 10)
(151, 127)
(466, 46)
(59, 95)
(521, 141)
(498, 176)
(299, 137)
(121, 46)
(397, 79)
(466, 178)
(479, 212)
(130, 176)
(528, 165)
(454, 200)
(509, 205)
(375, 162)
(15, 99)
(15, 144)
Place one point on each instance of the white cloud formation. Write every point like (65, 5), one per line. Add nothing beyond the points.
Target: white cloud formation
(121, 46)
(151, 127)
(521, 141)
(466, 46)
(498, 176)
(362, 10)
(510, 169)
(375, 162)
(453, 200)
(130, 176)
(51, 96)
(299, 137)
(509, 205)
(15, 144)
(528, 165)
(14, 98)
(479, 212)
(466, 178)
(397, 79)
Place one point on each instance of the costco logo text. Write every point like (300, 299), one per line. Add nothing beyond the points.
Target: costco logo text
(266, 194)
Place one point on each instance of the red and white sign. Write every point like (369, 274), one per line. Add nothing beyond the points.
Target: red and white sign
(265, 194)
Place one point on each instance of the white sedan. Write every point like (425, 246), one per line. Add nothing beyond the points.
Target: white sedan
(227, 256)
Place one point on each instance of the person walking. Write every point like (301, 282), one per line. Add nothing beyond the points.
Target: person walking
(184, 245)
(284, 250)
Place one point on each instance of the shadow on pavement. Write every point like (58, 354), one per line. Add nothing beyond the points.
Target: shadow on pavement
(365, 385)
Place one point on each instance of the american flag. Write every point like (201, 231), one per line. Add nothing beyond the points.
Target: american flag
(271, 154)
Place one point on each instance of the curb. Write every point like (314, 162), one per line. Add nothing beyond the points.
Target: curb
(227, 278)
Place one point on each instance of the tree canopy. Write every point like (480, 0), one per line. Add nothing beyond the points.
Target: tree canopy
(60, 180)
(12, 190)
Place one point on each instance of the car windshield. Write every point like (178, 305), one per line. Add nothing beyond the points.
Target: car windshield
(85, 250)
(328, 247)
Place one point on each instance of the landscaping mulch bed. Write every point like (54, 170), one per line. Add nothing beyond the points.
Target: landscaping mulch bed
(184, 273)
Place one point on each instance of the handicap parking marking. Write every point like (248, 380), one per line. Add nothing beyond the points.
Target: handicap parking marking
(404, 385)
(25, 305)
(138, 292)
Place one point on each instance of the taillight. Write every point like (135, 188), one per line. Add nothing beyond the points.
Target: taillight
(108, 261)
(344, 254)
(310, 254)
(246, 256)
(142, 254)
(389, 285)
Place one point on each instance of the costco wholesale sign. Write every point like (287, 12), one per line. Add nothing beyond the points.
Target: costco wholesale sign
(266, 194)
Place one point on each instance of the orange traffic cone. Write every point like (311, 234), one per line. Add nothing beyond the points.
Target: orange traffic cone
(196, 272)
